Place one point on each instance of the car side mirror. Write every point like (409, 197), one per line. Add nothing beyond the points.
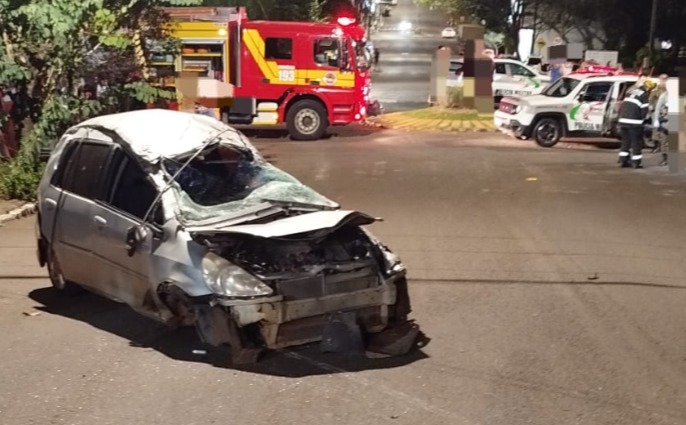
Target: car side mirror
(135, 236)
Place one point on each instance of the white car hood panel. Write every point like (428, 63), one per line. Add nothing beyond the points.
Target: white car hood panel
(305, 223)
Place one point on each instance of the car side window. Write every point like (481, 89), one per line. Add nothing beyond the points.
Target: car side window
(596, 92)
(82, 173)
(66, 162)
(521, 71)
(500, 68)
(624, 89)
(131, 191)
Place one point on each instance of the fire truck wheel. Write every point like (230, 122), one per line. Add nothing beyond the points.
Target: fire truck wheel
(306, 120)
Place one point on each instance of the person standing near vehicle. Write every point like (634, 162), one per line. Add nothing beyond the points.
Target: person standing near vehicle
(376, 58)
(634, 110)
(658, 118)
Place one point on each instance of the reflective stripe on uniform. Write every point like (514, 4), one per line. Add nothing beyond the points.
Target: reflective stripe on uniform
(630, 121)
(624, 154)
(636, 157)
(637, 102)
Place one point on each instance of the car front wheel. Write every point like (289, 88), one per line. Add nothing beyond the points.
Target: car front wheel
(547, 132)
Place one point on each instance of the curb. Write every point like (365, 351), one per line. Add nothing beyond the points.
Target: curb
(444, 126)
(23, 211)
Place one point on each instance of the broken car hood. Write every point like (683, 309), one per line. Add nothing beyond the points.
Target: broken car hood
(295, 225)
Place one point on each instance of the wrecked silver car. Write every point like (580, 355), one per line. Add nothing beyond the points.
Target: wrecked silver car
(180, 217)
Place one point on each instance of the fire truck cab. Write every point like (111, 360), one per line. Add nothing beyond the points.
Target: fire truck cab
(306, 75)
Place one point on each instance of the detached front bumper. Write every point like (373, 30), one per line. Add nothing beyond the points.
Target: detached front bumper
(288, 323)
(249, 327)
(510, 125)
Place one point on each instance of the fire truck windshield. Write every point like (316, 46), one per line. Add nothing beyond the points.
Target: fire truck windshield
(363, 57)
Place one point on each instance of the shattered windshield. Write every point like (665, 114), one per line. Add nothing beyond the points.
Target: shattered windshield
(225, 181)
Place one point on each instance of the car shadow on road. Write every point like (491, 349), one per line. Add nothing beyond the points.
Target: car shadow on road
(184, 345)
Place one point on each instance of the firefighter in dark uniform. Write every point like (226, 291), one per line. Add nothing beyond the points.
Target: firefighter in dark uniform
(632, 116)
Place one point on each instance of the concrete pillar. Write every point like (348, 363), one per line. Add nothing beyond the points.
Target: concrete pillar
(477, 86)
(676, 140)
(440, 66)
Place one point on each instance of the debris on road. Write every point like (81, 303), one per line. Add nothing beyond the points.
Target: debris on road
(32, 313)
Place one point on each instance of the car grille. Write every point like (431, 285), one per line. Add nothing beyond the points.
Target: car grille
(327, 284)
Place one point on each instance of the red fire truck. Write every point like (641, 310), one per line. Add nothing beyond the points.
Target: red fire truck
(307, 75)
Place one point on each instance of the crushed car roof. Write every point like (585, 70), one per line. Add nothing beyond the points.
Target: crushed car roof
(153, 134)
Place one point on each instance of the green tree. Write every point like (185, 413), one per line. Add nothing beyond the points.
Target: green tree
(274, 10)
(49, 47)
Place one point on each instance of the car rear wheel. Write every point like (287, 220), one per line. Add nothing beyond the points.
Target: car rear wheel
(307, 120)
(547, 132)
(57, 279)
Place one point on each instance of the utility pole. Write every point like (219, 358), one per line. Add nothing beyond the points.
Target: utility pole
(651, 37)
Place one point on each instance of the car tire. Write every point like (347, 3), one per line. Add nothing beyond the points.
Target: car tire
(547, 132)
(57, 279)
(307, 120)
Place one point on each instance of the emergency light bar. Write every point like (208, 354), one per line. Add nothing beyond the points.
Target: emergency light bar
(345, 21)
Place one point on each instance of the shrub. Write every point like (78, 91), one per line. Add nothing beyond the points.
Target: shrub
(19, 179)
(455, 97)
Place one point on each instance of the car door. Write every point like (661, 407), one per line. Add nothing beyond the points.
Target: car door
(74, 225)
(588, 108)
(611, 118)
(50, 193)
(128, 197)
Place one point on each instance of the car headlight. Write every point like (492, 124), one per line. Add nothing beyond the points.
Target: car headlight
(227, 279)
(392, 262)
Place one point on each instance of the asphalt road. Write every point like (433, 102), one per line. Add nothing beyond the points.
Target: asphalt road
(402, 82)
(550, 282)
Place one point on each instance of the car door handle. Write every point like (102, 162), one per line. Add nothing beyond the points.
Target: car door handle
(99, 221)
(50, 204)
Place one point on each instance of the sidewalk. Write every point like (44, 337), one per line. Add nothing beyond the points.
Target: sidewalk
(430, 120)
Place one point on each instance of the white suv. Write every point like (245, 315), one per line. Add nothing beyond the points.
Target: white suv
(511, 78)
(585, 105)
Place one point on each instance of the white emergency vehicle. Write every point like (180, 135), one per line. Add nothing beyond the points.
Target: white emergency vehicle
(511, 78)
(578, 105)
